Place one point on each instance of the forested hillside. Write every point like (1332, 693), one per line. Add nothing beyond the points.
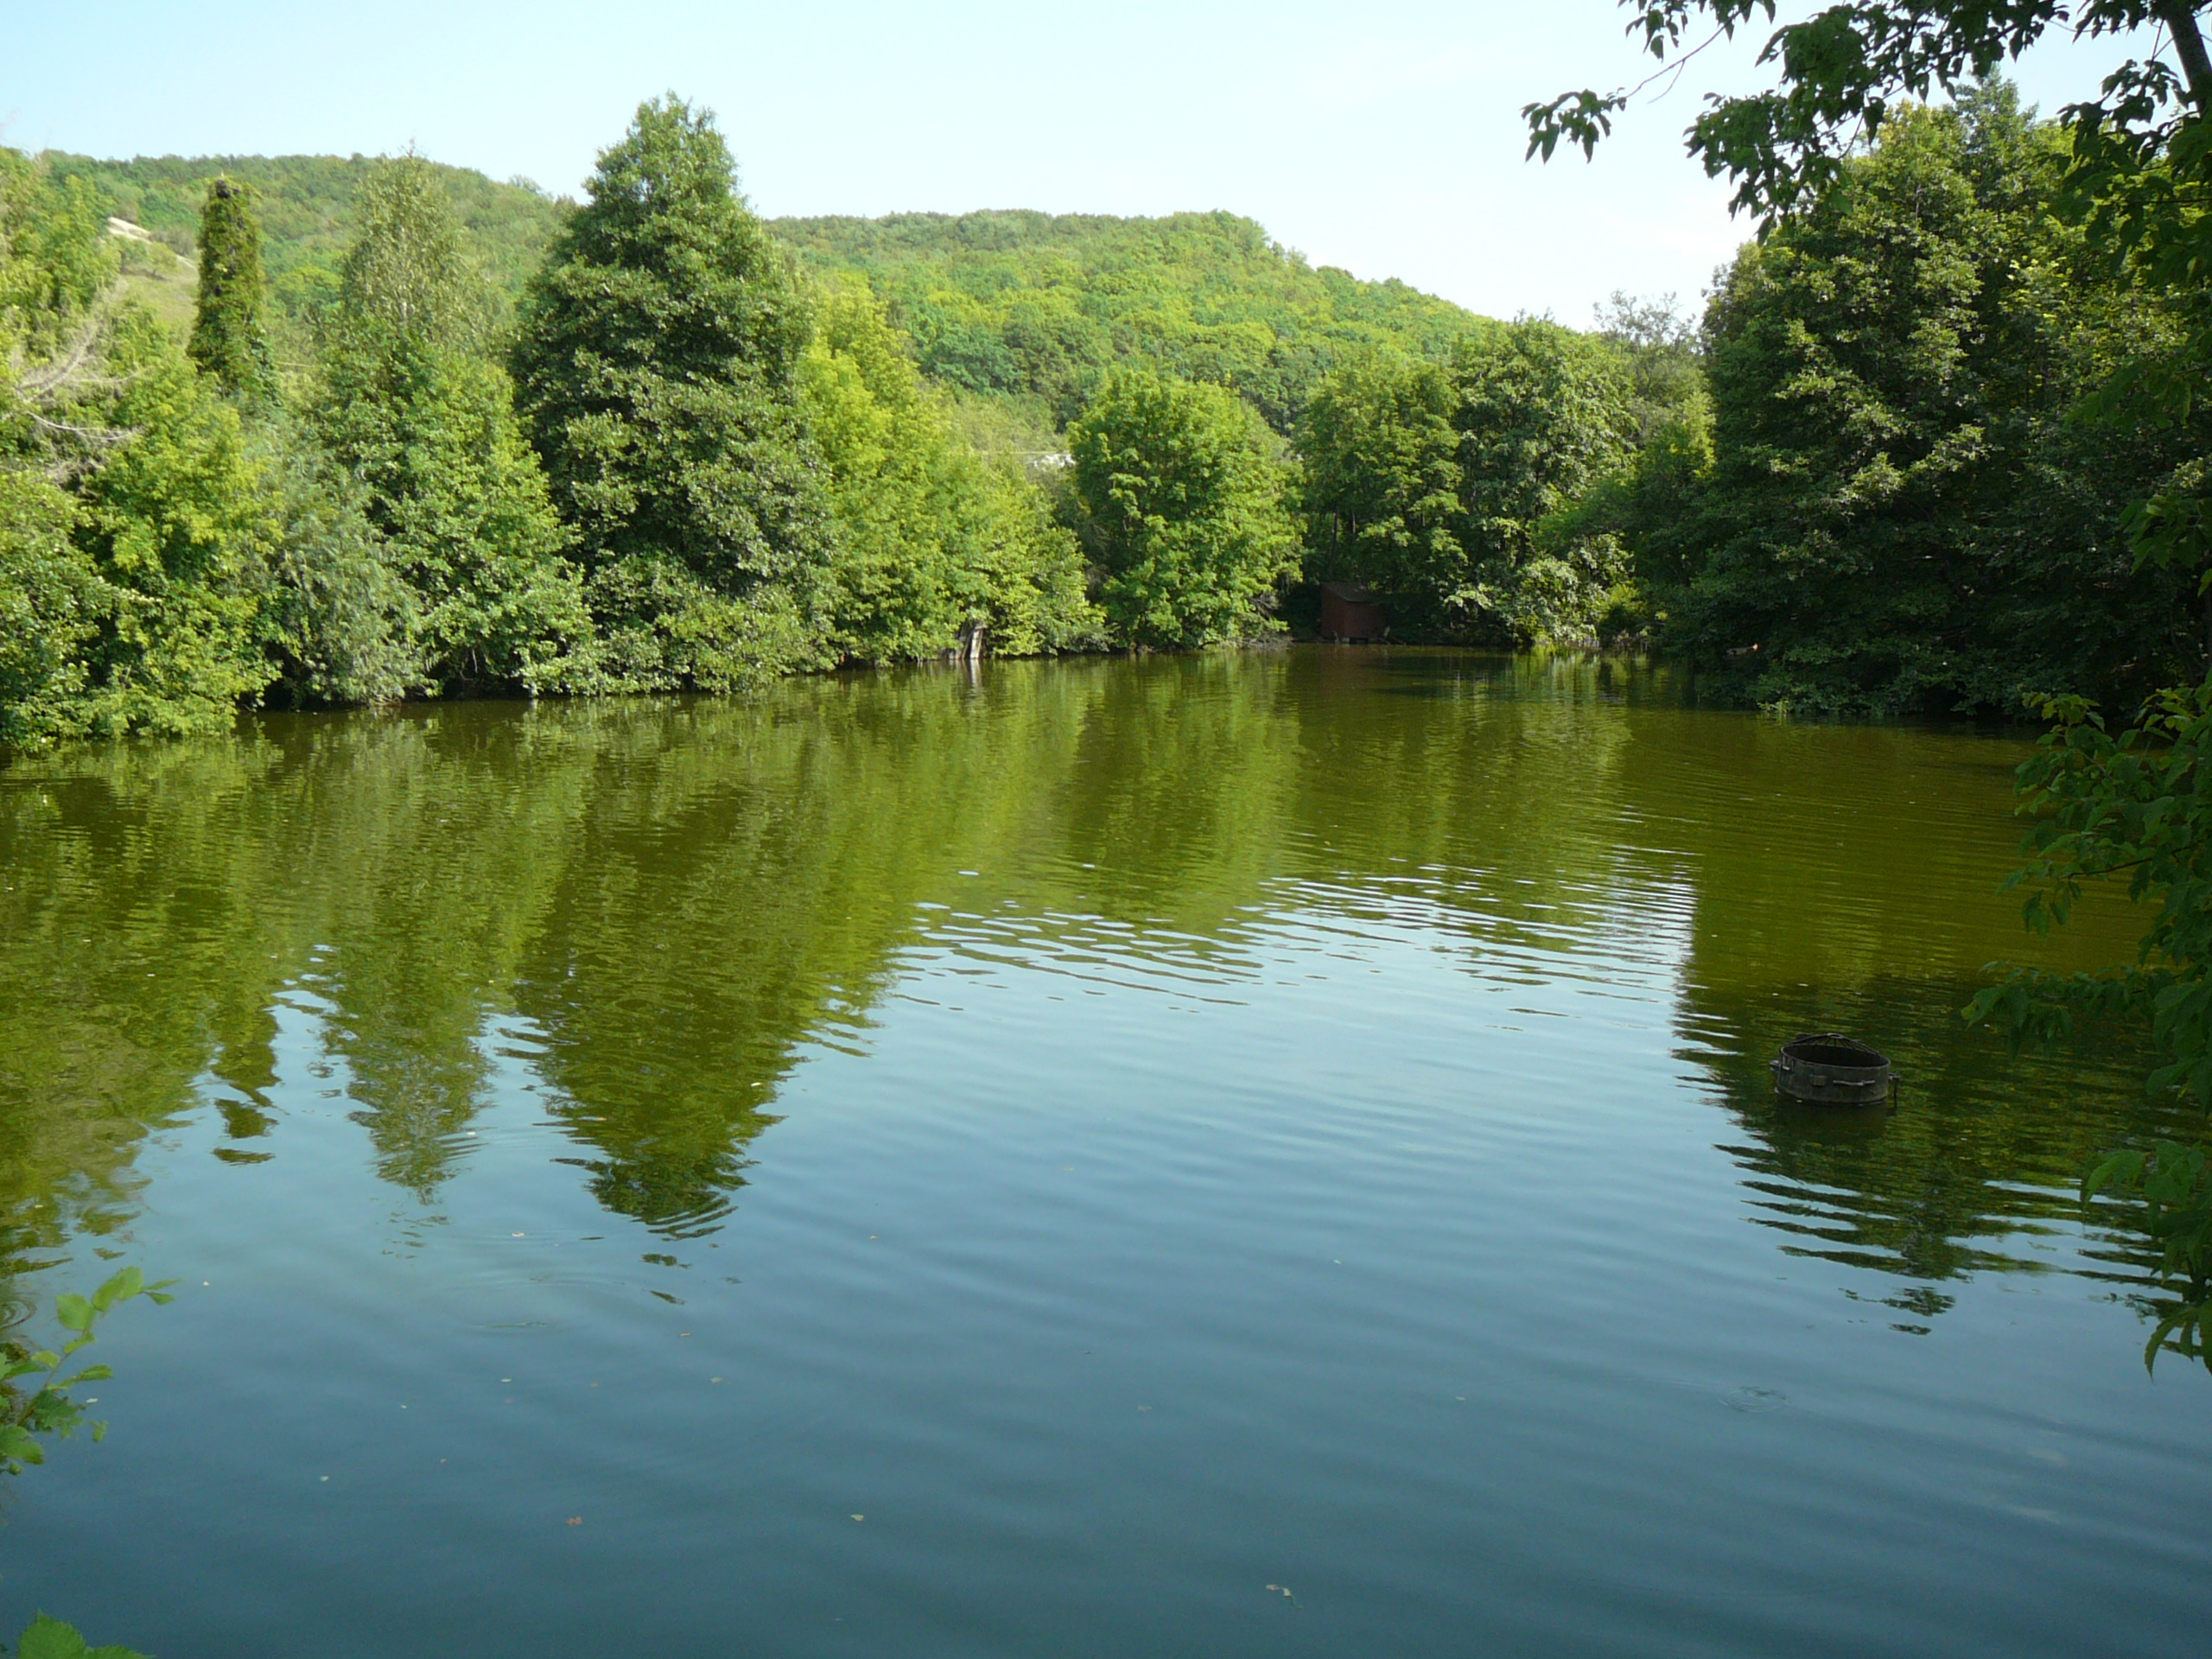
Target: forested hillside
(1018, 306)
(1029, 304)
(310, 212)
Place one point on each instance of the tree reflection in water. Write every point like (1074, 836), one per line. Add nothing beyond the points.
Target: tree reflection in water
(656, 909)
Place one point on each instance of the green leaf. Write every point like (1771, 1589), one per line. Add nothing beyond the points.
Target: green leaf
(121, 1288)
(2123, 1167)
(75, 1312)
(49, 1638)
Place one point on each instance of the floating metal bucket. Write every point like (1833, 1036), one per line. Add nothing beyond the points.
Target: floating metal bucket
(1833, 1070)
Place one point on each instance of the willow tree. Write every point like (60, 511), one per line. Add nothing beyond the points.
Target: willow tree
(657, 356)
(227, 338)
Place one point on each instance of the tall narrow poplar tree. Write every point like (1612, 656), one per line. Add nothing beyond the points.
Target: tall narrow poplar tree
(227, 340)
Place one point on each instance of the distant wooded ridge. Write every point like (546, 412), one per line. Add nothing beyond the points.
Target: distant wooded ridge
(1014, 304)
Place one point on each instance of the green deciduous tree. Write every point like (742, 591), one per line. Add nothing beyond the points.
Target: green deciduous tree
(1902, 513)
(54, 602)
(1447, 484)
(180, 523)
(1383, 478)
(228, 337)
(933, 542)
(52, 605)
(1544, 414)
(1182, 505)
(658, 358)
(338, 615)
(408, 273)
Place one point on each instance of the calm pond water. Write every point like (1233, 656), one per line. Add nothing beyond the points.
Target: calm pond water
(1232, 1155)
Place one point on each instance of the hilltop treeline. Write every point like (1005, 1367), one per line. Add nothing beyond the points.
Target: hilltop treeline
(431, 434)
(1023, 307)
(1029, 306)
(310, 210)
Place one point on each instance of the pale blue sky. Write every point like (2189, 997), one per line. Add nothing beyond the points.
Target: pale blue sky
(1385, 138)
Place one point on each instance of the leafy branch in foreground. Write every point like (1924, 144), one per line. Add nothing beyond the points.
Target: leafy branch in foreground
(47, 1407)
(1843, 71)
(49, 1638)
(2140, 805)
(2176, 1213)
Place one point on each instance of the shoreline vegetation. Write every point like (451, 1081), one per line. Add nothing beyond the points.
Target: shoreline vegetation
(414, 434)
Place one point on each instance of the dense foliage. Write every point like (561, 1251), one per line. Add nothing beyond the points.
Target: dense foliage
(423, 423)
(132, 515)
(1183, 507)
(658, 355)
(1444, 484)
(1037, 308)
(1902, 511)
(936, 544)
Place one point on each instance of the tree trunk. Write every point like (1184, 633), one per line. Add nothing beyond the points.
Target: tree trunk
(2180, 18)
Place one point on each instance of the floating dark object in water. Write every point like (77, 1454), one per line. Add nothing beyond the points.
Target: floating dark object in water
(1833, 1070)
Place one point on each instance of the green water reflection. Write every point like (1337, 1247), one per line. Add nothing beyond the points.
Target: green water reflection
(675, 900)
